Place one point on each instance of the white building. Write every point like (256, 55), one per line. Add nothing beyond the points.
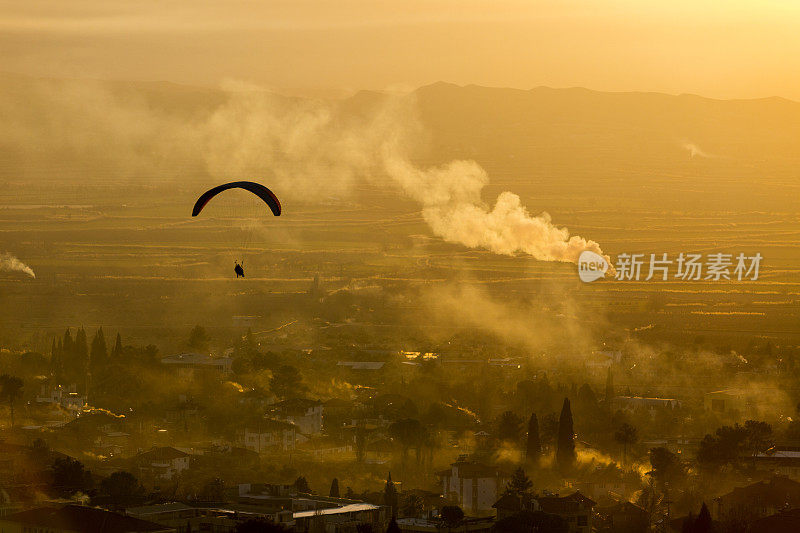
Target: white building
(162, 463)
(303, 413)
(187, 364)
(270, 435)
(473, 486)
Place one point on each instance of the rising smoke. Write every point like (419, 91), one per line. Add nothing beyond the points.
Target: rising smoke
(310, 151)
(305, 149)
(10, 263)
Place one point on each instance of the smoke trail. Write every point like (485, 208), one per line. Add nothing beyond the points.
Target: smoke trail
(312, 151)
(694, 150)
(11, 263)
(452, 207)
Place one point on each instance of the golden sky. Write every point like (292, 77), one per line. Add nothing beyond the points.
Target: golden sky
(720, 48)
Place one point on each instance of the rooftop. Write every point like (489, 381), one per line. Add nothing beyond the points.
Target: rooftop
(352, 508)
(82, 519)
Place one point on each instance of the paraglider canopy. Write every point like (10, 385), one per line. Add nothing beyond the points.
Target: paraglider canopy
(256, 188)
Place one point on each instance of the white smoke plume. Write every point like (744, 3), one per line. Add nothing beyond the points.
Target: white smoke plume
(452, 207)
(694, 150)
(309, 152)
(10, 263)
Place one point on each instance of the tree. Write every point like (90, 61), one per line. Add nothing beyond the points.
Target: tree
(548, 429)
(98, 355)
(565, 451)
(666, 466)
(451, 516)
(10, 391)
(509, 427)
(626, 435)
(390, 495)
(55, 359)
(414, 506)
(116, 353)
(301, 485)
(334, 493)
(198, 338)
(532, 521)
(407, 432)
(286, 382)
(609, 387)
(69, 477)
(393, 527)
(703, 523)
(725, 447)
(759, 436)
(122, 489)
(519, 483)
(67, 344)
(214, 491)
(81, 351)
(533, 445)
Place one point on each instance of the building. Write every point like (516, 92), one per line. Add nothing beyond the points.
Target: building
(782, 522)
(66, 397)
(575, 509)
(607, 484)
(757, 500)
(780, 460)
(76, 519)
(188, 364)
(210, 516)
(303, 413)
(622, 517)
(473, 486)
(510, 505)
(725, 401)
(161, 464)
(362, 365)
(425, 525)
(270, 435)
(342, 519)
(649, 405)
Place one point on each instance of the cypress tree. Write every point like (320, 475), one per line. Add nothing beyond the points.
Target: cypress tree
(116, 353)
(334, 488)
(98, 356)
(533, 448)
(703, 523)
(67, 346)
(55, 359)
(81, 349)
(390, 495)
(565, 451)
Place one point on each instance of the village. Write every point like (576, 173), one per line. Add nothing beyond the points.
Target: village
(228, 454)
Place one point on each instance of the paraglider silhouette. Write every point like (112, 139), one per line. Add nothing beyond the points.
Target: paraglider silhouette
(267, 196)
(256, 188)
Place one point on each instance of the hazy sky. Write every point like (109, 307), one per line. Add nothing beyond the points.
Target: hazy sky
(731, 48)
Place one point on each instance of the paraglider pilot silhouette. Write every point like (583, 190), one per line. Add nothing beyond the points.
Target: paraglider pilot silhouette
(256, 188)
